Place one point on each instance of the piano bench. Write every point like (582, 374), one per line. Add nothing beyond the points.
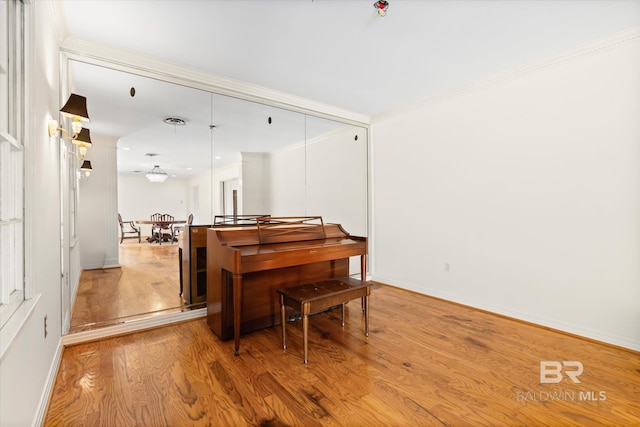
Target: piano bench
(315, 297)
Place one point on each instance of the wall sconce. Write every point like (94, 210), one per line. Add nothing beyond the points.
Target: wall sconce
(83, 141)
(381, 6)
(85, 169)
(76, 110)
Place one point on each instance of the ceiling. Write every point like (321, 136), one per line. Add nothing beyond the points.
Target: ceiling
(339, 53)
(193, 148)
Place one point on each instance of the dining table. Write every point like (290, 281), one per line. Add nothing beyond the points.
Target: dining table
(156, 236)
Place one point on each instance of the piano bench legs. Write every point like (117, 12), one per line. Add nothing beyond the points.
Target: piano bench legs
(315, 297)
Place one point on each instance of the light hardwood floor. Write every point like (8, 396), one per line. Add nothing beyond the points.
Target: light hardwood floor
(426, 362)
(146, 284)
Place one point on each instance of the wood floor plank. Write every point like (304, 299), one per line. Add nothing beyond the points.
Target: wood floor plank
(426, 362)
(147, 283)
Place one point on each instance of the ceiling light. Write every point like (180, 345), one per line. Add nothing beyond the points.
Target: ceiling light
(175, 121)
(156, 174)
(381, 6)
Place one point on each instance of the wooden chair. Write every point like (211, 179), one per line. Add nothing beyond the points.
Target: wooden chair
(180, 228)
(128, 227)
(154, 226)
(165, 228)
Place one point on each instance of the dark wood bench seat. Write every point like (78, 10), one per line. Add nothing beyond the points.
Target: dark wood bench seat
(315, 297)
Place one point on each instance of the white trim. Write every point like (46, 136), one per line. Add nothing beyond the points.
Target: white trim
(98, 334)
(127, 61)
(616, 40)
(128, 327)
(57, 18)
(548, 322)
(8, 308)
(45, 396)
(4, 136)
(111, 263)
(106, 264)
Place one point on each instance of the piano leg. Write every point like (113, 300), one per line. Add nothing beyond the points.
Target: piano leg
(366, 314)
(363, 277)
(283, 320)
(237, 309)
(305, 330)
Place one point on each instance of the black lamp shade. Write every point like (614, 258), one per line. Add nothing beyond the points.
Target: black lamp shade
(86, 166)
(83, 138)
(76, 107)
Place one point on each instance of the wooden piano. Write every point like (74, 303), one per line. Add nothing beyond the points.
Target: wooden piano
(245, 266)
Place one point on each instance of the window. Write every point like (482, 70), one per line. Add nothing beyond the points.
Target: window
(12, 124)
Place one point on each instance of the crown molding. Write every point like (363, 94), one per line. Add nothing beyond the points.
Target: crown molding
(614, 41)
(56, 16)
(128, 61)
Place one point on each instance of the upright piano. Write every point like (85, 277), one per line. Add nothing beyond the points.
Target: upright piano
(192, 250)
(246, 265)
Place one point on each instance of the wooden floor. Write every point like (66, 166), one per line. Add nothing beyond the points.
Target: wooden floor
(426, 362)
(146, 284)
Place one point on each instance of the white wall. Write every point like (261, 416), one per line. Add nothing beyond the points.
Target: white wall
(28, 366)
(97, 206)
(336, 178)
(287, 179)
(138, 199)
(210, 200)
(528, 188)
(325, 176)
(255, 189)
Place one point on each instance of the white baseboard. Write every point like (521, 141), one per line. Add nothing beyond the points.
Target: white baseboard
(128, 327)
(557, 324)
(45, 397)
(79, 337)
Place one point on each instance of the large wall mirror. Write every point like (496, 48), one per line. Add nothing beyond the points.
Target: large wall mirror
(222, 154)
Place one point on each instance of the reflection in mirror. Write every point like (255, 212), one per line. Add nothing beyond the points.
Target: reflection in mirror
(130, 114)
(223, 155)
(245, 135)
(336, 173)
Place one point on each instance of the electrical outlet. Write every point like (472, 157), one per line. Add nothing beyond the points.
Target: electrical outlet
(45, 326)
(447, 267)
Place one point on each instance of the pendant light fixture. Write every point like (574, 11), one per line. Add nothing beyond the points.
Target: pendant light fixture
(156, 174)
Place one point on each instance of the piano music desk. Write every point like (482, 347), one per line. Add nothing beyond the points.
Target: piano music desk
(312, 298)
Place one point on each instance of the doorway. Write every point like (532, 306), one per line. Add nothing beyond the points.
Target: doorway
(230, 197)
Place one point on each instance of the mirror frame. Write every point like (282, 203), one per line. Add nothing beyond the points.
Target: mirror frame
(125, 61)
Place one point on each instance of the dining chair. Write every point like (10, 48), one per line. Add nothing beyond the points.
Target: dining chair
(180, 228)
(165, 228)
(156, 218)
(128, 227)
